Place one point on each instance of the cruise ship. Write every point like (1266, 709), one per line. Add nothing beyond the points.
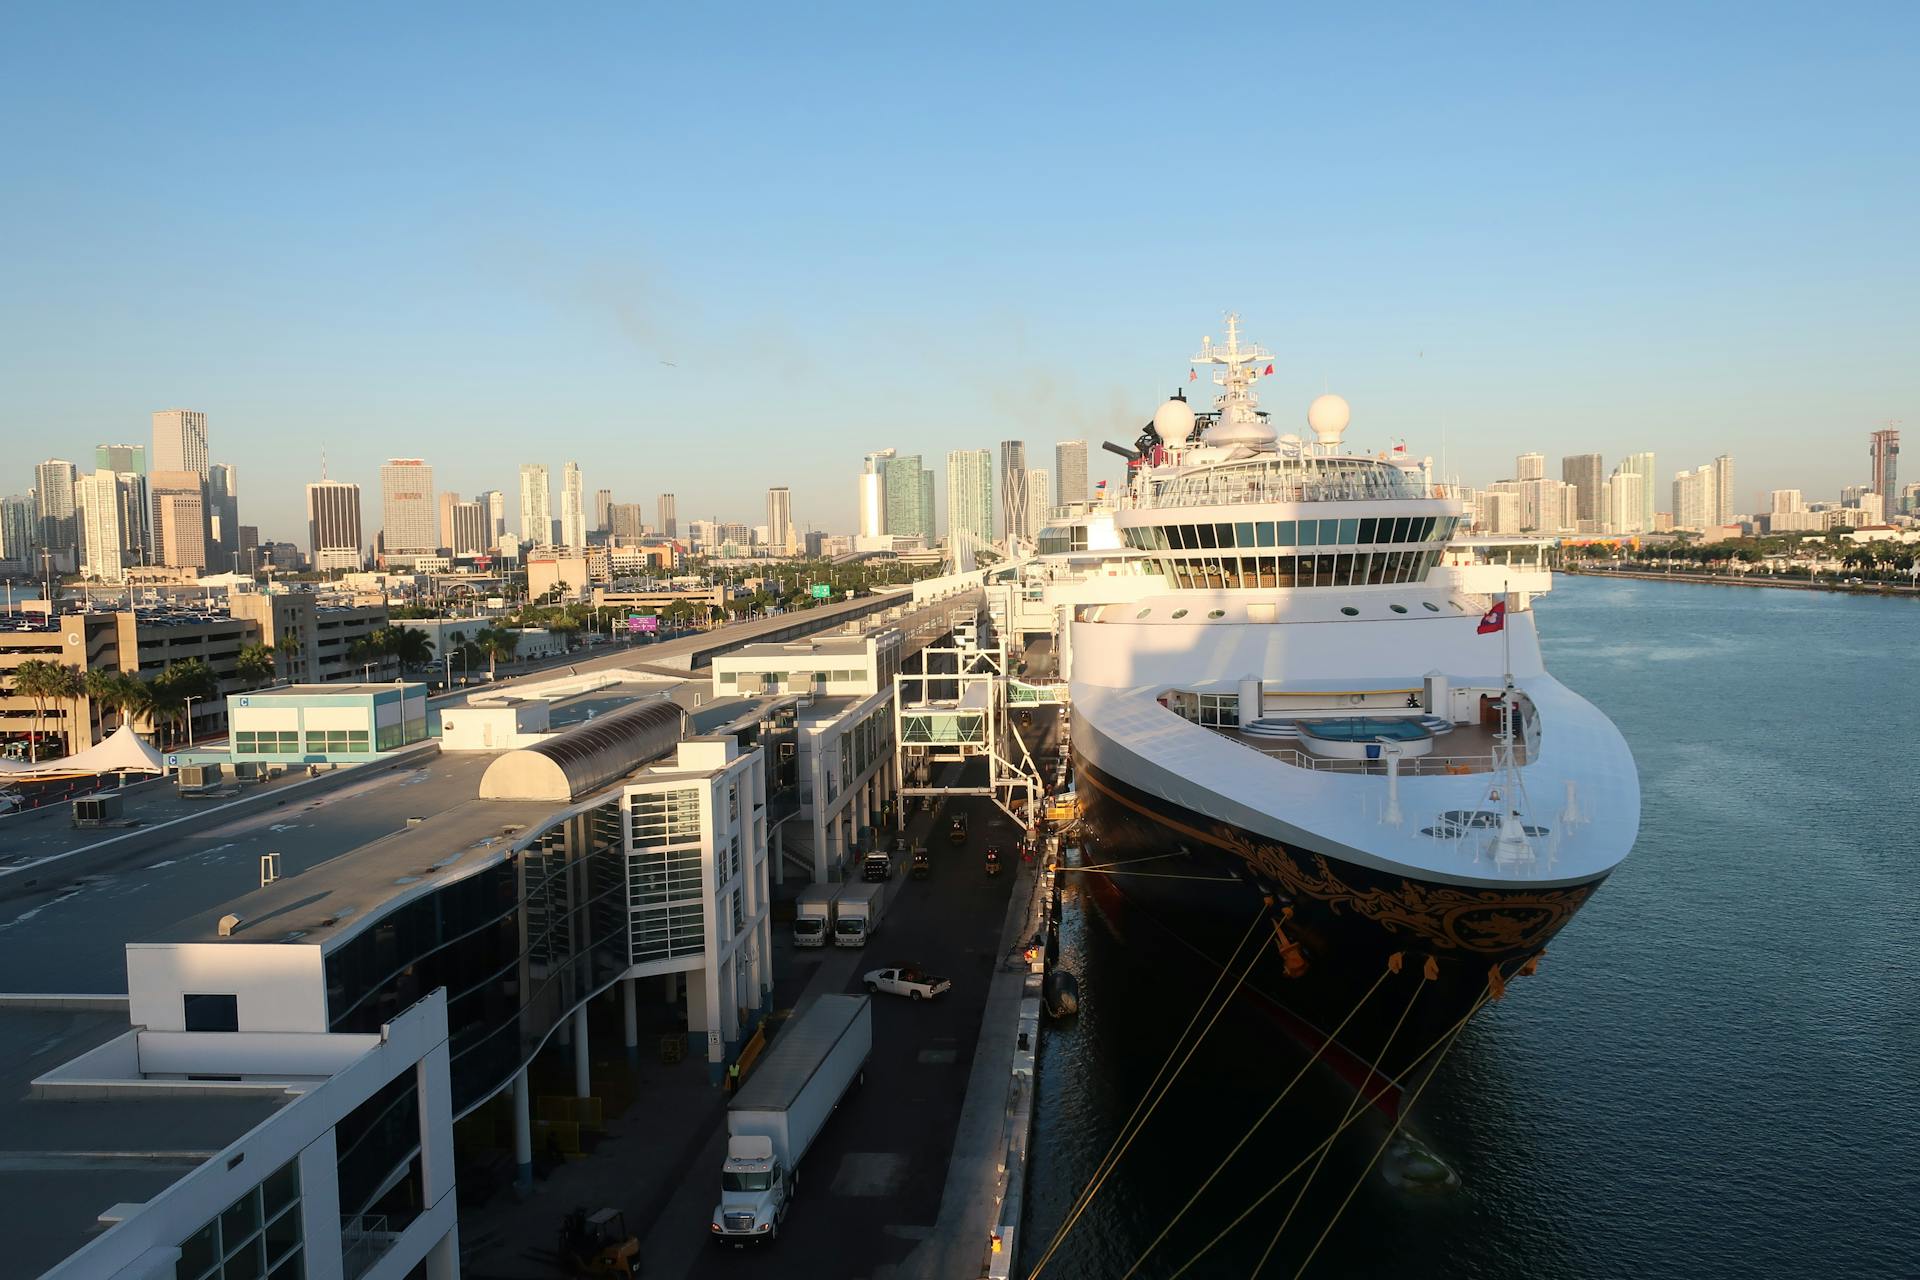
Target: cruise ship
(1310, 718)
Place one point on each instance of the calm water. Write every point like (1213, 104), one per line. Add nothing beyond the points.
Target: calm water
(1717, 1071)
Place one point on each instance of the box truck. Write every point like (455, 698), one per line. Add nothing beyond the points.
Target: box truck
(857, 912)
(782, 1108)
(813, 915)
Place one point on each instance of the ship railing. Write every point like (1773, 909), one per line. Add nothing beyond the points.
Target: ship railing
(1232, 491)
(1410, 766)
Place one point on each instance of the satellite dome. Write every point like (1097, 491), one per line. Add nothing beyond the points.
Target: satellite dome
(1174, 420)
(1328, 416)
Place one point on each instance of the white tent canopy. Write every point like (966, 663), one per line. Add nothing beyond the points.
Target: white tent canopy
(123, 750)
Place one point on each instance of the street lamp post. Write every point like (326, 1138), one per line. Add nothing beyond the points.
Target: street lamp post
(448, 658)
(190, 701)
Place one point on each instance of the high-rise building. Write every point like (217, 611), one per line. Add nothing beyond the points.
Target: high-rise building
(179, 519)
(180, 442)
(333, 526)
(1696, 502)
(929, 517)
(1585, 472)
(466, 528)
(53, 482)
(573, 507)
(1884, 448)
(1642, 465)
(496, 504)
(1910, 499)
(407, 519)
(602, 506)
(20, 535)
(969, 498)
(129, 461)
(1723, 489)
(1013, 488)
(873, 494)
(907, 516)
(628, 522)
(536, 506)
(98, 498)
(1783, 502)
(780, 537)
(223, 515)
(1070, 471)
(1624, 502)
(669, 521)
(1530, 466)
(1039, 491)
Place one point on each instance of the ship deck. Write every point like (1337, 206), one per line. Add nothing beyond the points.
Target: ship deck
(1465, 749)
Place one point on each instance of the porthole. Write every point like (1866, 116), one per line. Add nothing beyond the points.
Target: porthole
(1398, 608)
(1179, 613)
(1430, 606)
(1144, 612)
(1349, 610)
(1216, 613)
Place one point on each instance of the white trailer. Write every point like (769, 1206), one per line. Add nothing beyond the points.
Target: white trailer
(782, 1108)
(813, 915)
(857, 913)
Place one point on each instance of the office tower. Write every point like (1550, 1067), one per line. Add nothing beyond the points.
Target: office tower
(447, 501)
(179, 519)
(129, 462)
(97, 498)
(1013, 489)
(249, 547)
(780, 520)
(1872, 510)
(1884, 448)
(573, 507)
(731, 533)
(223, 515)
(1585, 471)
(407, 518)
(1783, 502)
(466, 528)
(1496, 511)
(930, 526)
(970, 498)
(1624, 500)
(1696, 504)
(1910, 499)
(873, 493)
(669, 521)
(705, 533)
(20, 534)
(495, 503)
(1039, 490)
(602, 508)
(180, 442)
(536, 506)
(907, 514)
(53, 482)
(1642, 465)
(1723, 489)
(627, 522)
(1070, 471)
(1530, 466)
(123, 458)
(333, 526)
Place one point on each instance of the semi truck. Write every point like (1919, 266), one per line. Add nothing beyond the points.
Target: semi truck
(857, 913)
(782, 1108)
(813, 915)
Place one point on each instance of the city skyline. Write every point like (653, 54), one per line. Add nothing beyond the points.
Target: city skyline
(1658, 313)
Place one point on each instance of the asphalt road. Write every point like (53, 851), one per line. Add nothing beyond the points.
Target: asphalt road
(870, 1188)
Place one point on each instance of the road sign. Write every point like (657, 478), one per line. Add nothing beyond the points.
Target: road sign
(637, 623)
(821, 591)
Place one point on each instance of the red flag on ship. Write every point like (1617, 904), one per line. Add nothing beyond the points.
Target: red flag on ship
(1401, 447)
(1268, 372)
(1495, 619)
(1192, 376)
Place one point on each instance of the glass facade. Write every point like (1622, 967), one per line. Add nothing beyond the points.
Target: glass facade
(257, 1235)
(1269, 554)
(516, 945)
(664, 894)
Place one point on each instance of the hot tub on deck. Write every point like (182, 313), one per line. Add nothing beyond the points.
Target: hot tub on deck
(1361, 737)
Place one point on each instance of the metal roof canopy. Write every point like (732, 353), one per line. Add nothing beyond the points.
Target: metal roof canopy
(568, 765)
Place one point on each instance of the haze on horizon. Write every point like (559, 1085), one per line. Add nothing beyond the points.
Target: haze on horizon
(713, 254)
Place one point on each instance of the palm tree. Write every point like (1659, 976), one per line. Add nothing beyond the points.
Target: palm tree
(166, 704)
(70, 687)
(499, 644)
(255, 664)
(413, 647)
(289, 647)
(40, 680)
(103, 691)
(134, 697)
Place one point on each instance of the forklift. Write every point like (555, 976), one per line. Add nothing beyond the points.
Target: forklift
(597, 1244)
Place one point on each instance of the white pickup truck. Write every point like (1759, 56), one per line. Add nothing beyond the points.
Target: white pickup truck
(907, 981)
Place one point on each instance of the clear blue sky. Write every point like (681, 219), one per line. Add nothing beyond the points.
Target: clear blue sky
(474, 233)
